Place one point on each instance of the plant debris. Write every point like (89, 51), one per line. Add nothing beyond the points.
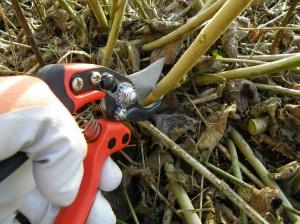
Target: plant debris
(195, 115)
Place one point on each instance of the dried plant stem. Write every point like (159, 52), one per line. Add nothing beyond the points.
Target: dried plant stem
(78, 20)
(5, 58)
(141, 9)
(41, 11)
(114, 32)
(227, 175)
(207, 4)
(99, 14)
(24, 45)
(266, 58)
(279, 90)
(208, 35)
(260, 169)
(136, 221)
(221, 185)
(285, 21)
(5, 20)
(27, 30)
(48, 56)
(249, 72)
(181, 196)
(198, 4)
(280, 147)
(269, 28)
(205, 99)
(166, 201)
(245, 170)
(236, 60)
(74, 52)
(236, 170)
(186, 28)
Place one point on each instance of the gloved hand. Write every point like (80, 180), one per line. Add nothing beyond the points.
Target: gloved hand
(34, 121)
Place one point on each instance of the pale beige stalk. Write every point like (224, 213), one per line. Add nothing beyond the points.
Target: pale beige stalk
(114, 32)
(250, 72)
(190, 216)
(99, 14)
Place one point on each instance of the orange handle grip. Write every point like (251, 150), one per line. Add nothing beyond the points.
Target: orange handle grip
(114, 137)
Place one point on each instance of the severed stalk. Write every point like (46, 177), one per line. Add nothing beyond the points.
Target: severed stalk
(221, 185)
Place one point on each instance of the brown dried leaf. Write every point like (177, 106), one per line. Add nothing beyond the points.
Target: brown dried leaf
(206, 64)
(243, 22)
(289, 176)
(289, 131)
(169, 52)
(175, 125)
(261, 199)
(150, 11)
(226, 215)
(133, 170)
(57, 19)
(229, 42)
(293, 109)
(158, 158)
(286, 171)
(286, 39)
(163, 26)
(242, 92)
(175, 8)
(213, 134)
(132, 56)
(211, 216)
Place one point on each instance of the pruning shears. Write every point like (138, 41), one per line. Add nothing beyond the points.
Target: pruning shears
(120, 97)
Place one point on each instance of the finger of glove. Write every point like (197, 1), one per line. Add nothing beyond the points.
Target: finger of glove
(101, 211)
(14, 189)
(37, 210)
(111, 176)
(10, 220)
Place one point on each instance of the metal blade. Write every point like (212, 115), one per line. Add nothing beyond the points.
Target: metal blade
(146, 79)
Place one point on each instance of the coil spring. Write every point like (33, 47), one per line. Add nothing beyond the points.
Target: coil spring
(88, 124)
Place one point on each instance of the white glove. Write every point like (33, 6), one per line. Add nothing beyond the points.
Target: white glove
(38, 210)
(34, 121)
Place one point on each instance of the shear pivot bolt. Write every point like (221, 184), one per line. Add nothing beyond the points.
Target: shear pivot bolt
(95, 78)
(108, 81)
(120, 114)
(77, 84)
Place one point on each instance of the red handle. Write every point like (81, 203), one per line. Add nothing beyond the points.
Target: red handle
(59, 78)
(114, 137)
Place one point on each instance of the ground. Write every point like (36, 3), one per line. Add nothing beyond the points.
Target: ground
(251, 115)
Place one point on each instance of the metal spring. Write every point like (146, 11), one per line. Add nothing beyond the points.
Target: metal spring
(88, 124)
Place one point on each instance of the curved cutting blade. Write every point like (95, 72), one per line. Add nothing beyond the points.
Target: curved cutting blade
(146, 79)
